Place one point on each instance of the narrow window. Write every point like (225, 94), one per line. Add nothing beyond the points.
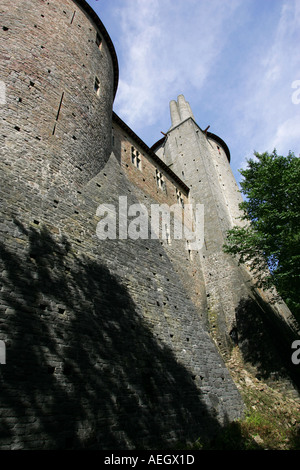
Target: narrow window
(99, 40)
(189, 250)
(168, 238)
(97, 86)
(138, 162)
(179, 198)
(160, 180)
(132, 155)
(136, 158)
(113, 138)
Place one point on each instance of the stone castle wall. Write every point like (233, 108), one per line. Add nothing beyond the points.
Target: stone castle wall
(108, 341)
(234, 306)
(106, 345)
(202, 162)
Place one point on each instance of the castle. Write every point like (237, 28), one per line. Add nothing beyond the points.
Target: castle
(117, 341)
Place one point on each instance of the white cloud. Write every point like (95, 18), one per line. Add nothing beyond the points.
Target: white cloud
(235, 62)
(168, 47)
(265, 116)
(288, 136)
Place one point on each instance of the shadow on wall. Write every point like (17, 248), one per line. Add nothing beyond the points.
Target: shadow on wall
(266, 342)
(82, 369)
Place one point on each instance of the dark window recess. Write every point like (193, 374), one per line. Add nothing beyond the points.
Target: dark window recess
(97, 86)
(98, 40)
(135, 158)
(179, 198)
(160, 181)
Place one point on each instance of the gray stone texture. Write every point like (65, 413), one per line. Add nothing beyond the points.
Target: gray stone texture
(108, 342)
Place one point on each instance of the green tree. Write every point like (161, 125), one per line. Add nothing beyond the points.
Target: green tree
(270, 239)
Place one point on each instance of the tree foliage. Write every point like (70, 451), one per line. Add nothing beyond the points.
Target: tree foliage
(270, 237)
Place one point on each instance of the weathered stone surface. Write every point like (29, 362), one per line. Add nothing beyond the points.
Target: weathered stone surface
(108, 342)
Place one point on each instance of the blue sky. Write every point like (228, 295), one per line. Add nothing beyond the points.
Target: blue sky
(237, 62)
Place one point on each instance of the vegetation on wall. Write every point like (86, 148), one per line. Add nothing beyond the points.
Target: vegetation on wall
(271, 420)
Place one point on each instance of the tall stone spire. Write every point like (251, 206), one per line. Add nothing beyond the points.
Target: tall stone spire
(180, 111)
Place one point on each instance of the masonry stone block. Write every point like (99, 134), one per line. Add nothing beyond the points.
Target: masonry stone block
(109, 341)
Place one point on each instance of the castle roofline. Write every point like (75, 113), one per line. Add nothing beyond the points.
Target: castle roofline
(149, 151)
(158, 144)
(96, 20)
(221, 142)
(210, 135)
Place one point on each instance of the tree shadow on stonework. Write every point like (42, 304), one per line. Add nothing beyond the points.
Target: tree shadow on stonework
(82, 369)
(265, 342)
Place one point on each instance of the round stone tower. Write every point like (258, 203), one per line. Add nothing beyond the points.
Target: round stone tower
(60, 73)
